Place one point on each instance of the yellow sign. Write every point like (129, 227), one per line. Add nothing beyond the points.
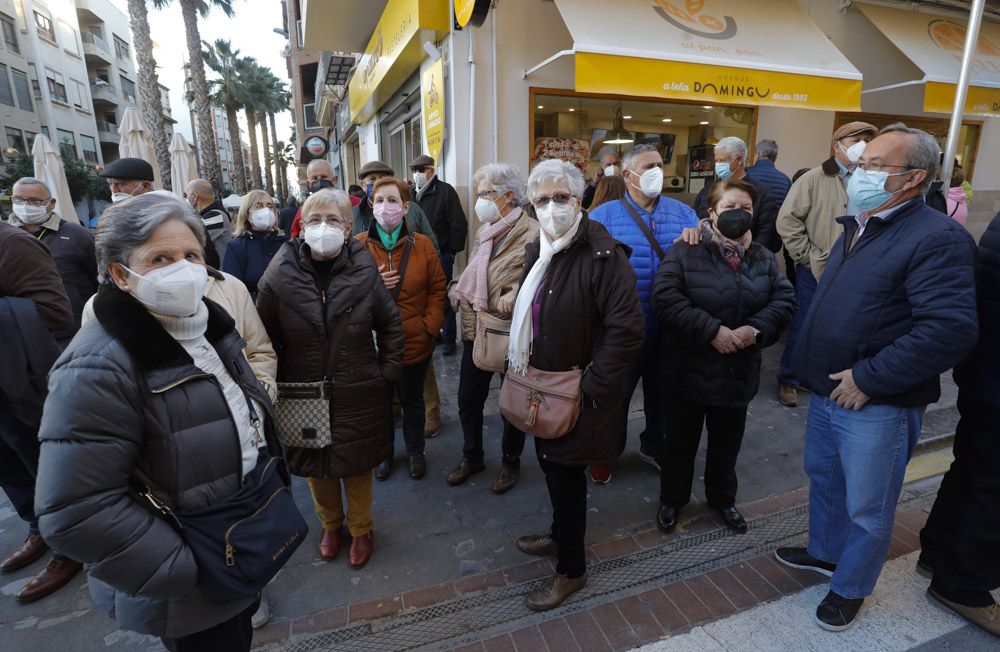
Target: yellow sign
(979, 100)
(394, 52)
(603, 73)
(463, 11)
(432, 89)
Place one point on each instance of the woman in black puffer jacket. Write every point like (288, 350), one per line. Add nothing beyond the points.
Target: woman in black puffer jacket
(720, 302)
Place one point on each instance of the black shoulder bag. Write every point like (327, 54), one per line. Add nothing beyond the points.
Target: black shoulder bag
(645, 230)
(402, 266)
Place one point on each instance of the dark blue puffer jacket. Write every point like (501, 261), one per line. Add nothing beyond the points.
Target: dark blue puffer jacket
(979, 375)
(777, 182)
(668, 219)
(899, 309)
(249, 255)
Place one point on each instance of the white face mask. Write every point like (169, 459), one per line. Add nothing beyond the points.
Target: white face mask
(118, 197)
(650, 182)
(611, 171)
(556, 219)
(324, 239)
(175, 290)
(262, 218)
(487, 211)
(854, 152)
(31, 214)
(419, 179)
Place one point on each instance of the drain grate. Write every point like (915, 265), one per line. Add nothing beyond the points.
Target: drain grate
(492, 612)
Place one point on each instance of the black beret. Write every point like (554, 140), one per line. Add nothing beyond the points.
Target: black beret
(128, 168)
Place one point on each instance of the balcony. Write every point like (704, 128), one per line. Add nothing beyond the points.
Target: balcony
(96, 50)
(105, 95)
(107, 132)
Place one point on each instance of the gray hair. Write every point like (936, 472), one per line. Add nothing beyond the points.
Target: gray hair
(628, 162)
(32, 181)
(556, 171)
(923, 153)
(130, 224)
(768, 149)
(734, 146)
(329, 197)
(503, 178)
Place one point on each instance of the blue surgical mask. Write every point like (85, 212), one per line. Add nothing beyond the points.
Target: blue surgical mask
(866, 190)
(722, 170)
(368, 189)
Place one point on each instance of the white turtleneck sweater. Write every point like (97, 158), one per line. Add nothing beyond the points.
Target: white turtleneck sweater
(190, 334)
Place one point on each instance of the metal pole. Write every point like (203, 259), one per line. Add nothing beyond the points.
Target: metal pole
(961, 90)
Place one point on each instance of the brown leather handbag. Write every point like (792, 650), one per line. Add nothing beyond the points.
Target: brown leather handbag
(545, 404)
(489, 351)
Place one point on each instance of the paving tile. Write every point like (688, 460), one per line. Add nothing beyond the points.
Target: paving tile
(558, 636)
(277, 630)
(471, 647)
(653, 538)
(530, 571)
(528, 639)
(320, 622)
(639, 616)
(739, 595)
(689, 604)
(912, 519)
(775, 574)
(374, 609)
(907, 537)
(479, 582)
(616, 548)
(663, 609)
(427, 596)
(499, 644)
(586, 632)
(616, 629)
(713, 598)
(763, 590)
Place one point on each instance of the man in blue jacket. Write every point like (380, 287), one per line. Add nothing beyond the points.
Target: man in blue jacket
(664, 219)
(765, 174)
(895, 308)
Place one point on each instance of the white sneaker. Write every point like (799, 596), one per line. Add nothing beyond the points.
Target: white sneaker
(263, 614)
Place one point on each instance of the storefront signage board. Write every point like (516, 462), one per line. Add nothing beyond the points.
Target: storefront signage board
(471, 12)
(602, 73)
(432, 91)
(394, 52)
(979, 100)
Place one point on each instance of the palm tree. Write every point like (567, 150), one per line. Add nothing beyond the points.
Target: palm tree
(227, 93)
(271, 102)
(280, 103)
(281, 158)
(151, 103)
(254, 84)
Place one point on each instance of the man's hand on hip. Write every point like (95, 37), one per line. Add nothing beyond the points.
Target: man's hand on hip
(847, 394)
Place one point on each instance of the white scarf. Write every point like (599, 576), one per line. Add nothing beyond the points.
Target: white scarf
(521, 329)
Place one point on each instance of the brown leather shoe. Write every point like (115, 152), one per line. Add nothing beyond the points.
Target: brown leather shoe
(361, 550)
(465, 470)
(329, 544)
(540, 545)
(505, 480)
(554, 592)
(55, 576)
(431, 429)
(986, 618)
(30, 551)
(788, 396)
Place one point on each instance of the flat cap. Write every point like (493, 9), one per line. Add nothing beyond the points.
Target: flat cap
(853, 129)
(128, 168)
(422, 161)
(375, 167)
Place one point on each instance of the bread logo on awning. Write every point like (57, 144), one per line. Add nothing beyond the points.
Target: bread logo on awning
(692, 21)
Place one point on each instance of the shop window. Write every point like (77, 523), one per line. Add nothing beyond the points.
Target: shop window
(22, 89)
(9, 34)
(67, 143)
(89, 146)
(575, 127)
(968, 136)
(6, 95)
(43, 24)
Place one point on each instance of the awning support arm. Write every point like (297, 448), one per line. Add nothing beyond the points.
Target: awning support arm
(915, 82)
(557, 55)
(961, 89)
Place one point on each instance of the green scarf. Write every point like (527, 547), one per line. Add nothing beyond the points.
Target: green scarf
(389, 240)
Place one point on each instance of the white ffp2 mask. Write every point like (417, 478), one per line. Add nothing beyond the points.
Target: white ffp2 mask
(324, 239)
(175, 290)
(262, 218)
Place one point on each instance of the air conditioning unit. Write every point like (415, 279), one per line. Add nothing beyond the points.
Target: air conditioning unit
(673, 184)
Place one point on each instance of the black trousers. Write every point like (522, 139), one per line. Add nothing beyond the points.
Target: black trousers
(473, 389)
(411, 399)
(961, 540)
(233, 635)
(450, 330)
(725, 427)
(19, 448)
(568, 493)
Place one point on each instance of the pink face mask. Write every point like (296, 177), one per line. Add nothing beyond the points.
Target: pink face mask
(388, 215)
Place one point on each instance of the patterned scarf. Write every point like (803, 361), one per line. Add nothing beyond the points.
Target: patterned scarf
(732, 250)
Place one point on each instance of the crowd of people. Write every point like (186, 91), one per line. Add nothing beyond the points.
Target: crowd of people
(174, 336)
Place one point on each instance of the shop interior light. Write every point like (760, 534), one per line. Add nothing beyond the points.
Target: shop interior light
(667, 120)
(539, 107)
(706, 106)
(626, 117)
(618, 135)
(703, 122)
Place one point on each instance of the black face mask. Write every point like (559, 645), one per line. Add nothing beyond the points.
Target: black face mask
(734, 223)
(320, 184)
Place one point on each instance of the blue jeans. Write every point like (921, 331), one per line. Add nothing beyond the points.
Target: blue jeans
(855, 461)
(805, 289)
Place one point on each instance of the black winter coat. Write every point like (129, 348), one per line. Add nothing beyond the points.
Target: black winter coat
(590, 319)
(694, 293)
(979, 375)
(765, 213)
(72, 248)
(441, 205)
(300, 318)
(249, 255)
(101, 428)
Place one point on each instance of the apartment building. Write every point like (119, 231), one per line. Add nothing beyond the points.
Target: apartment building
(19, 110)
(303, 68)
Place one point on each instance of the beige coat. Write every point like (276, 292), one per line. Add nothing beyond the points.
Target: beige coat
(807, 220)
(503, 275)
(230, 293)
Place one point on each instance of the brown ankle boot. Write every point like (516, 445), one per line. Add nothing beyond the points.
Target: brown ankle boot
(554, 592)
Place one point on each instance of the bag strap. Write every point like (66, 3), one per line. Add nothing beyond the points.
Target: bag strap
(407, 248)
(645, 229)
(954, 210)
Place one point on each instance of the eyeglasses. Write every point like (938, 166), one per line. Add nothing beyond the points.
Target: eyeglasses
(17, 199)
(486, 194)
(560, 198)
(330, 221)
(880, 167)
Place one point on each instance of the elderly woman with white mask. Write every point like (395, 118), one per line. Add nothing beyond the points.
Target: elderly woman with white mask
(577, 313)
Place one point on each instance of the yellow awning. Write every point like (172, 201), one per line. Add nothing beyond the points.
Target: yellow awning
(722, 51)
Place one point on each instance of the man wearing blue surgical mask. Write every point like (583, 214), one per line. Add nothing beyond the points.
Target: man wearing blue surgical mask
(730, 162)
(899, 285)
